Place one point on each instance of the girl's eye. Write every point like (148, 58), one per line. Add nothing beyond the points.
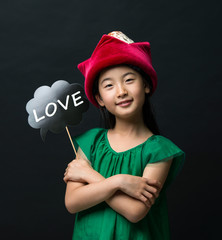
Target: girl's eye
(129, 80)
(108, 85)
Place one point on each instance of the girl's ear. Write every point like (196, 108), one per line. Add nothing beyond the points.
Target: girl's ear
(99, 100)
(147, 89)
(146, 86)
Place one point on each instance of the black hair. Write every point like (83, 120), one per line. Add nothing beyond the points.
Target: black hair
(148, 112)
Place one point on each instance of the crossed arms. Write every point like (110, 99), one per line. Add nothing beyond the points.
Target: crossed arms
(130, 196)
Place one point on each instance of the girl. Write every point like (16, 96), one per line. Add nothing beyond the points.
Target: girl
(117, 185)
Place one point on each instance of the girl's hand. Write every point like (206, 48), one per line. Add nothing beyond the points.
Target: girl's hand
(143, 189)
(77, 171)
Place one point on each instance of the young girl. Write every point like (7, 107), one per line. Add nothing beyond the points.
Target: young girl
(117, 185)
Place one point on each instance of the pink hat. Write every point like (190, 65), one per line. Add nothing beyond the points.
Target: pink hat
(111, 51)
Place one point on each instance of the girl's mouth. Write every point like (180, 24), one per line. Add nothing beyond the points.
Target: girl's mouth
(124, 103)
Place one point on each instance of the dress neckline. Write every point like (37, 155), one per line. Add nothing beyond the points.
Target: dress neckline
(130, 149)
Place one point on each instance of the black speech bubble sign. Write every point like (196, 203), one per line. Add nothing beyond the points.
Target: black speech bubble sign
(53, 108)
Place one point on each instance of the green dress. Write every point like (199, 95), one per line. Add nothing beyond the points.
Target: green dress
(101, 222)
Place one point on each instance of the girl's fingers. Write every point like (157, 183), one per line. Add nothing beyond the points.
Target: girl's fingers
(149, 197)
(65, 180)
(146, 201)
(152, 190)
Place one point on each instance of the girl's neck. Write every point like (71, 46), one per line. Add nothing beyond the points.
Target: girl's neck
(128, 134)
(131, 127)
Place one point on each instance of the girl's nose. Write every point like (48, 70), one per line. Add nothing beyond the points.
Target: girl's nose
(121, 91)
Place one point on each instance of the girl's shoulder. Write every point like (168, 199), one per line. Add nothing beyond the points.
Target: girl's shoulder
(160, 141)
(87, 140)
(161, 148)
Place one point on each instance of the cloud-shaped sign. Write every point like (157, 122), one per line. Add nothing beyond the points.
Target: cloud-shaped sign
(53, 108)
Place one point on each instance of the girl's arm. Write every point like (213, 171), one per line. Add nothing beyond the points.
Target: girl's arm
(133, 209)
(134, 206)
(128, 206)
(80, 196)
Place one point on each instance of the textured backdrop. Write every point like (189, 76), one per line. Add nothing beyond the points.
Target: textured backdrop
(43, 41)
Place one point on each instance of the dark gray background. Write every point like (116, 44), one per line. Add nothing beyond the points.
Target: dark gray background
(43, 41)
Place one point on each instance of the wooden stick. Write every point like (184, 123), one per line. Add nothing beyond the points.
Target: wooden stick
(71, 141)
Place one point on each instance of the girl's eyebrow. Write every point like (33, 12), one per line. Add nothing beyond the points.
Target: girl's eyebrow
(105, 79)
(128, 73)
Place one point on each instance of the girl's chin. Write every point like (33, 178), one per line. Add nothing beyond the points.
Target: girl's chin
(128, 115)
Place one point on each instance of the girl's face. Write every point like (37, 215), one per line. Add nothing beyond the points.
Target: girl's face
(122, 91)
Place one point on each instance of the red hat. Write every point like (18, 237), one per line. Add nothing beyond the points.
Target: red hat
(111, 51)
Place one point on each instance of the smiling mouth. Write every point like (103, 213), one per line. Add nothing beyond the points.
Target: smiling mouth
(124, 103)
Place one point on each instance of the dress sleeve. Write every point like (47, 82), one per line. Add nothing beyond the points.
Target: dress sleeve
(86, 140)
(164, 149)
